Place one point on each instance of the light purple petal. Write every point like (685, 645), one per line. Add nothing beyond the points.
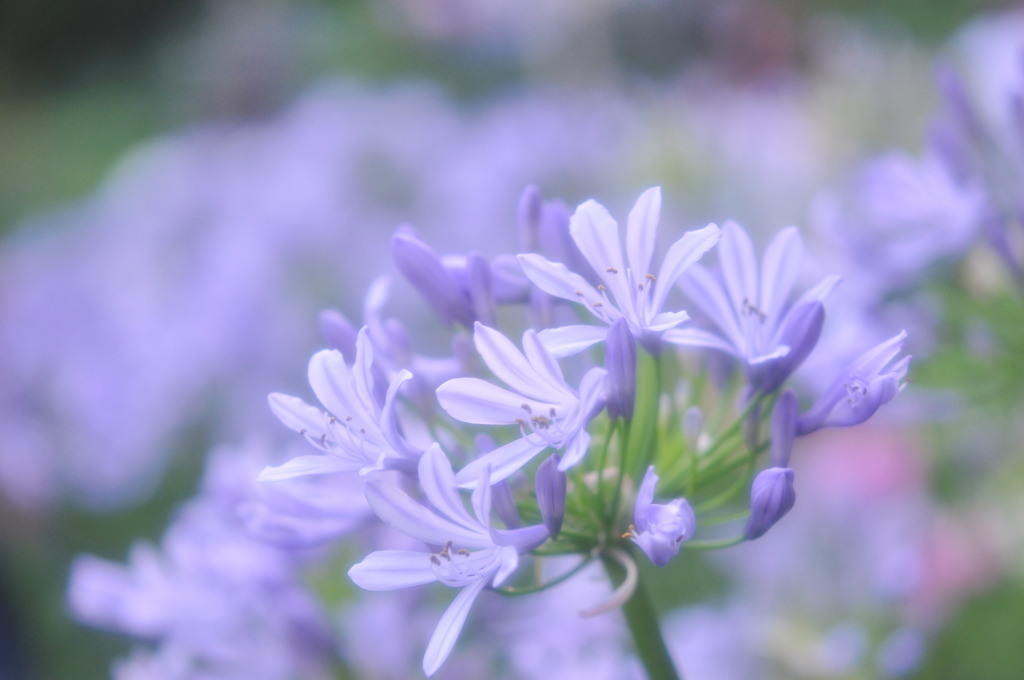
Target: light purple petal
(321, 464)
(554, 278)
(476, 401)
(541, 358)
(780, 269)
(394, 507)
(696, 337)
(642, 231)
(820, 291)
(666, 321)
(392, 569)
(575, 450)
(512, 367)
(504, 461)
(362, 379)
(449, 627)
(739, 266)
(706, 292)
(681, 256)
(597, 236)
(389, 419)
(569, 340)
(333, 383)
(297, 414)
(644, 499)
(438, 483)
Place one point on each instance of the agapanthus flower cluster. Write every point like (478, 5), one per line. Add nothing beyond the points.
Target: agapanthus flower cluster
(583, 414)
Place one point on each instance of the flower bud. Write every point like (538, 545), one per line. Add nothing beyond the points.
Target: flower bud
(620, 362)
(771, 497)
(551, 488)
(426, 272)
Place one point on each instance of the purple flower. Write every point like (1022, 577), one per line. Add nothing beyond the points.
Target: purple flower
(771, 497)
(472, 553)
(356, 432)
(636, 293)
(756, 322)
(658, 529)
(549, 413)
(861, 389)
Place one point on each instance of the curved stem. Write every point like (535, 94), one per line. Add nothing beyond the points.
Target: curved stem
(641, 618)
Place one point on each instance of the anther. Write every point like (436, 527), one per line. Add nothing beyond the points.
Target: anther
(526, 407)
(751, 308)
(612, 270)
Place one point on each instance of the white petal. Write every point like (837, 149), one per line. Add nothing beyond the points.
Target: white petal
(449, 627)
(642, 231)
(310, 465)
(476, 401)
(569, 340)
(391, 569)
(681, 256)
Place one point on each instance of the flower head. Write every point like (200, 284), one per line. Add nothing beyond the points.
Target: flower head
(629, 288)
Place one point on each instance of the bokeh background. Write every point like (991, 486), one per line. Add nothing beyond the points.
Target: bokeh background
(185, 185)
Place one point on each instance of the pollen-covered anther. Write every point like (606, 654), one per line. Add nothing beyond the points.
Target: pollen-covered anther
(612, 270)
(526, 407)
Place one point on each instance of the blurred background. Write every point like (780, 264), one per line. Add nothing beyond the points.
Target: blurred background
(185, 185)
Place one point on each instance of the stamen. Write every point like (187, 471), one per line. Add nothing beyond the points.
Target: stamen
(526, 407)
(612, 270)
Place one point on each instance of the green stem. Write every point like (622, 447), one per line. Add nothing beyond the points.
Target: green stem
(641, 618)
